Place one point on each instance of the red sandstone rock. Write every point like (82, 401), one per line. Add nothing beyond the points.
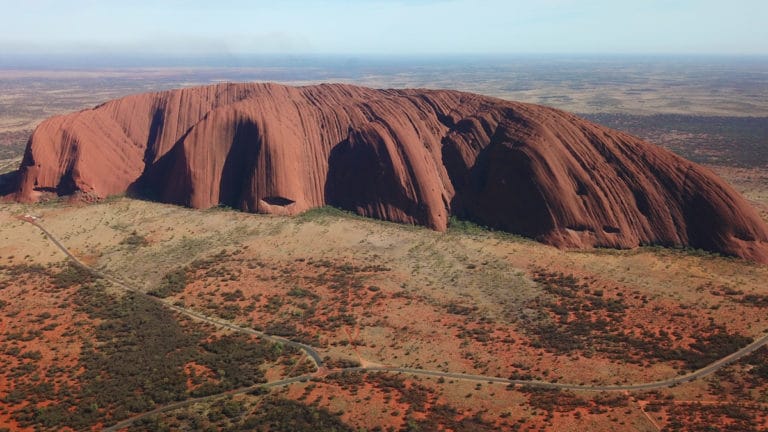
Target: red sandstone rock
(411, 156)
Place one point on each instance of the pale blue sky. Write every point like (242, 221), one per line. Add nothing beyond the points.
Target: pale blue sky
(385, 27)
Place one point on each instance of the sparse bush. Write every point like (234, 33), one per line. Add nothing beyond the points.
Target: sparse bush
(135, 240)
(72, 275)
(283, 415)
(172, 283)
(466, 227)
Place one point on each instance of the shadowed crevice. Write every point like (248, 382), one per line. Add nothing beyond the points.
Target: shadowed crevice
(9, 183)
(498, 189)
(240, 166)
(362, 179)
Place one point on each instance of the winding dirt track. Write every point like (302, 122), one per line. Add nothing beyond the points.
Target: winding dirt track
(281, 383)
(308, 350)
(316, 358)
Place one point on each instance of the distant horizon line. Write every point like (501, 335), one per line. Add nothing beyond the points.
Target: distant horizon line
(24, 60)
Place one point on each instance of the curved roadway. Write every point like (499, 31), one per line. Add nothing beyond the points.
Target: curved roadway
(170, 407)
(308, 350)
(315, 356)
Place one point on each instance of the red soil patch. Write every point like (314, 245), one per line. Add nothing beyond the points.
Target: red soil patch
(41, 337)
(198, 375)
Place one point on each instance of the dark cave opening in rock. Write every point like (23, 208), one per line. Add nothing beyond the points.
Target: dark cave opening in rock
(278, 200)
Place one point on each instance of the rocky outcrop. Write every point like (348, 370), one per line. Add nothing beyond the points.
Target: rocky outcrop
(410, 156)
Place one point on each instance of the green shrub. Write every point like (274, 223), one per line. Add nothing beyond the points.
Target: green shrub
(464, 226)
(282, 415)
(172, 283)
(135, 240)
(72, 275)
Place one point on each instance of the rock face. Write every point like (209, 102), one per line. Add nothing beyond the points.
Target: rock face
(410, 156)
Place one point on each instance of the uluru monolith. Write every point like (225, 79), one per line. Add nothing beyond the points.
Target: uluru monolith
(409, 156)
